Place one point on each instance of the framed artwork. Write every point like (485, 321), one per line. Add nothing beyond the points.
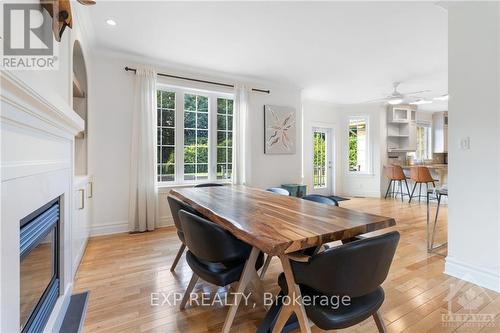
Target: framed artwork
(280, 130)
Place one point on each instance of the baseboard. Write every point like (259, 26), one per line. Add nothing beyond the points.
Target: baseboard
(109, 228)
(477, 275)
(122, 226)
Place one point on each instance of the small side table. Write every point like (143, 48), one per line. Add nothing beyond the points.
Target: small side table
(431, 248)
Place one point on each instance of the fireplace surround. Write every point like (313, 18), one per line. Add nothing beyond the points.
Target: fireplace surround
(39, 266)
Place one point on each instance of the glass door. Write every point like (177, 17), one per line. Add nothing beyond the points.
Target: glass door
(322, 161)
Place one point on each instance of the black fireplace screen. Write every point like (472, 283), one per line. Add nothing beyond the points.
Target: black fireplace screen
(39, 266)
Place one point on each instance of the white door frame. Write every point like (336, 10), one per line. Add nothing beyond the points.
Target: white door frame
(331, 159)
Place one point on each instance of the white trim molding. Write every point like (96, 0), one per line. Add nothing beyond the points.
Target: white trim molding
(486, 278)
(53, 111)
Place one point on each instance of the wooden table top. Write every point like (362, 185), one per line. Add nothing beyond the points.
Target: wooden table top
(277, 224)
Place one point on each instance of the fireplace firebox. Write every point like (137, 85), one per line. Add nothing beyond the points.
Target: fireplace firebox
(39, 266)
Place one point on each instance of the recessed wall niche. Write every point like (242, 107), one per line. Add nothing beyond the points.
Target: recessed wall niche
(80, 106)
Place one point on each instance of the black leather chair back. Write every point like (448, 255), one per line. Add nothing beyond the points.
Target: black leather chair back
(354, 269)
(209, 242)
(175, 207)
(208, 185)
(321, 199)
(278, 190)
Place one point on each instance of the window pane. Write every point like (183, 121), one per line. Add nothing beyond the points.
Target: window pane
(229, 155)
(221, 155)
(202, 138)
(190, 120)
(167, 136)
(202, 104)
(230, 123)
(221, 122)
(202, 120)
(189, 137)
(229, 139)
(221, 105)
(202, 170)
(168, 118)
(168, 100)
(229, 106)
(221, 171)
(221, 138)
(190, 102)
(189, 154)
(167, 155)
(319, 158)
(358, 145)
(202, 155)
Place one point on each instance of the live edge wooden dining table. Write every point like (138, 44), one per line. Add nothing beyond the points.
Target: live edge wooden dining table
(279, 226)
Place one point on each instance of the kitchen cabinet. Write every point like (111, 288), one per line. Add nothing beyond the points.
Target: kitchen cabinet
(440, 132)
(401, 128)
(80, 223)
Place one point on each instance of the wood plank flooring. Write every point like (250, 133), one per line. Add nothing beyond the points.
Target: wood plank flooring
(121, 272)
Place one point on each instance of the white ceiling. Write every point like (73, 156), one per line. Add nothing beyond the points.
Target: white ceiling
(336, 51)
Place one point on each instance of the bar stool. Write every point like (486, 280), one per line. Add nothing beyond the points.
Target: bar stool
(421, 175)
(395, 173)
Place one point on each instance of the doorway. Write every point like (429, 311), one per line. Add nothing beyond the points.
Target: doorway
(323, 168)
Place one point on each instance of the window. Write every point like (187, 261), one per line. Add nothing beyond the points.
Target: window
(424, 142)
(166, 135)
(319, 159)
(224, 138)
(194, 135)
(358, 145)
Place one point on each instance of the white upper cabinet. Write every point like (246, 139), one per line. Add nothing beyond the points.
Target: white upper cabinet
(401, 128)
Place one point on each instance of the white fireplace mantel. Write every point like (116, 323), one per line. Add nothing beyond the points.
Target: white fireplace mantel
(37, 162)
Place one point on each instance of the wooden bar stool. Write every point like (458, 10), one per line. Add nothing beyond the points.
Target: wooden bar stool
(421, 175)
(395, 173)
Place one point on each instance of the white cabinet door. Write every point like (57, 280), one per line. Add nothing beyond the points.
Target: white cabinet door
(412, 139)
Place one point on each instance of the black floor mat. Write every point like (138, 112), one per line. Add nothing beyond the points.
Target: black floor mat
(75, 315)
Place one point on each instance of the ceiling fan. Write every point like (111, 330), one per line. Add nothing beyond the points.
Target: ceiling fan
(397, 97)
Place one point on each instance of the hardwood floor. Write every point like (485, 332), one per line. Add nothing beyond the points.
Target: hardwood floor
(121, 272)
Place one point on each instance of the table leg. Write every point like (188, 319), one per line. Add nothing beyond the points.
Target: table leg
(292, 306)
(247, 275)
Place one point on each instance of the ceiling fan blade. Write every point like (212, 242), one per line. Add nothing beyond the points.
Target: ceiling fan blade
(383, 99)
(417, 92)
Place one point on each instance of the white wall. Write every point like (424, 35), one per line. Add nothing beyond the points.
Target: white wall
(110, 121)
(336, 116)
(474, 178)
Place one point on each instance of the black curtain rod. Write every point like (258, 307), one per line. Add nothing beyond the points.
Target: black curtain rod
(129, 69)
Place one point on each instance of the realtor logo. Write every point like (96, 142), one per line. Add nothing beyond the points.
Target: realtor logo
(471, 311)
(28, 43)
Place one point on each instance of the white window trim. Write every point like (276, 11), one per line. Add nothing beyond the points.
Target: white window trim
(369, 157)
(212, 95)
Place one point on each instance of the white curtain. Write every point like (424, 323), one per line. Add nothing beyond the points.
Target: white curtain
(240, 134)
(143, 209)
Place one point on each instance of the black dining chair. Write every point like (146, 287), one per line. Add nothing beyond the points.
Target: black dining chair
(278, 190)
(311, 197)
(175, 207)
(321, 199)
(356, 269)
(214, 254)
(208, 185)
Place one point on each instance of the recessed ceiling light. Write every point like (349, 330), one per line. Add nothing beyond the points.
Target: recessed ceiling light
(442, 98)
(111, 22)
